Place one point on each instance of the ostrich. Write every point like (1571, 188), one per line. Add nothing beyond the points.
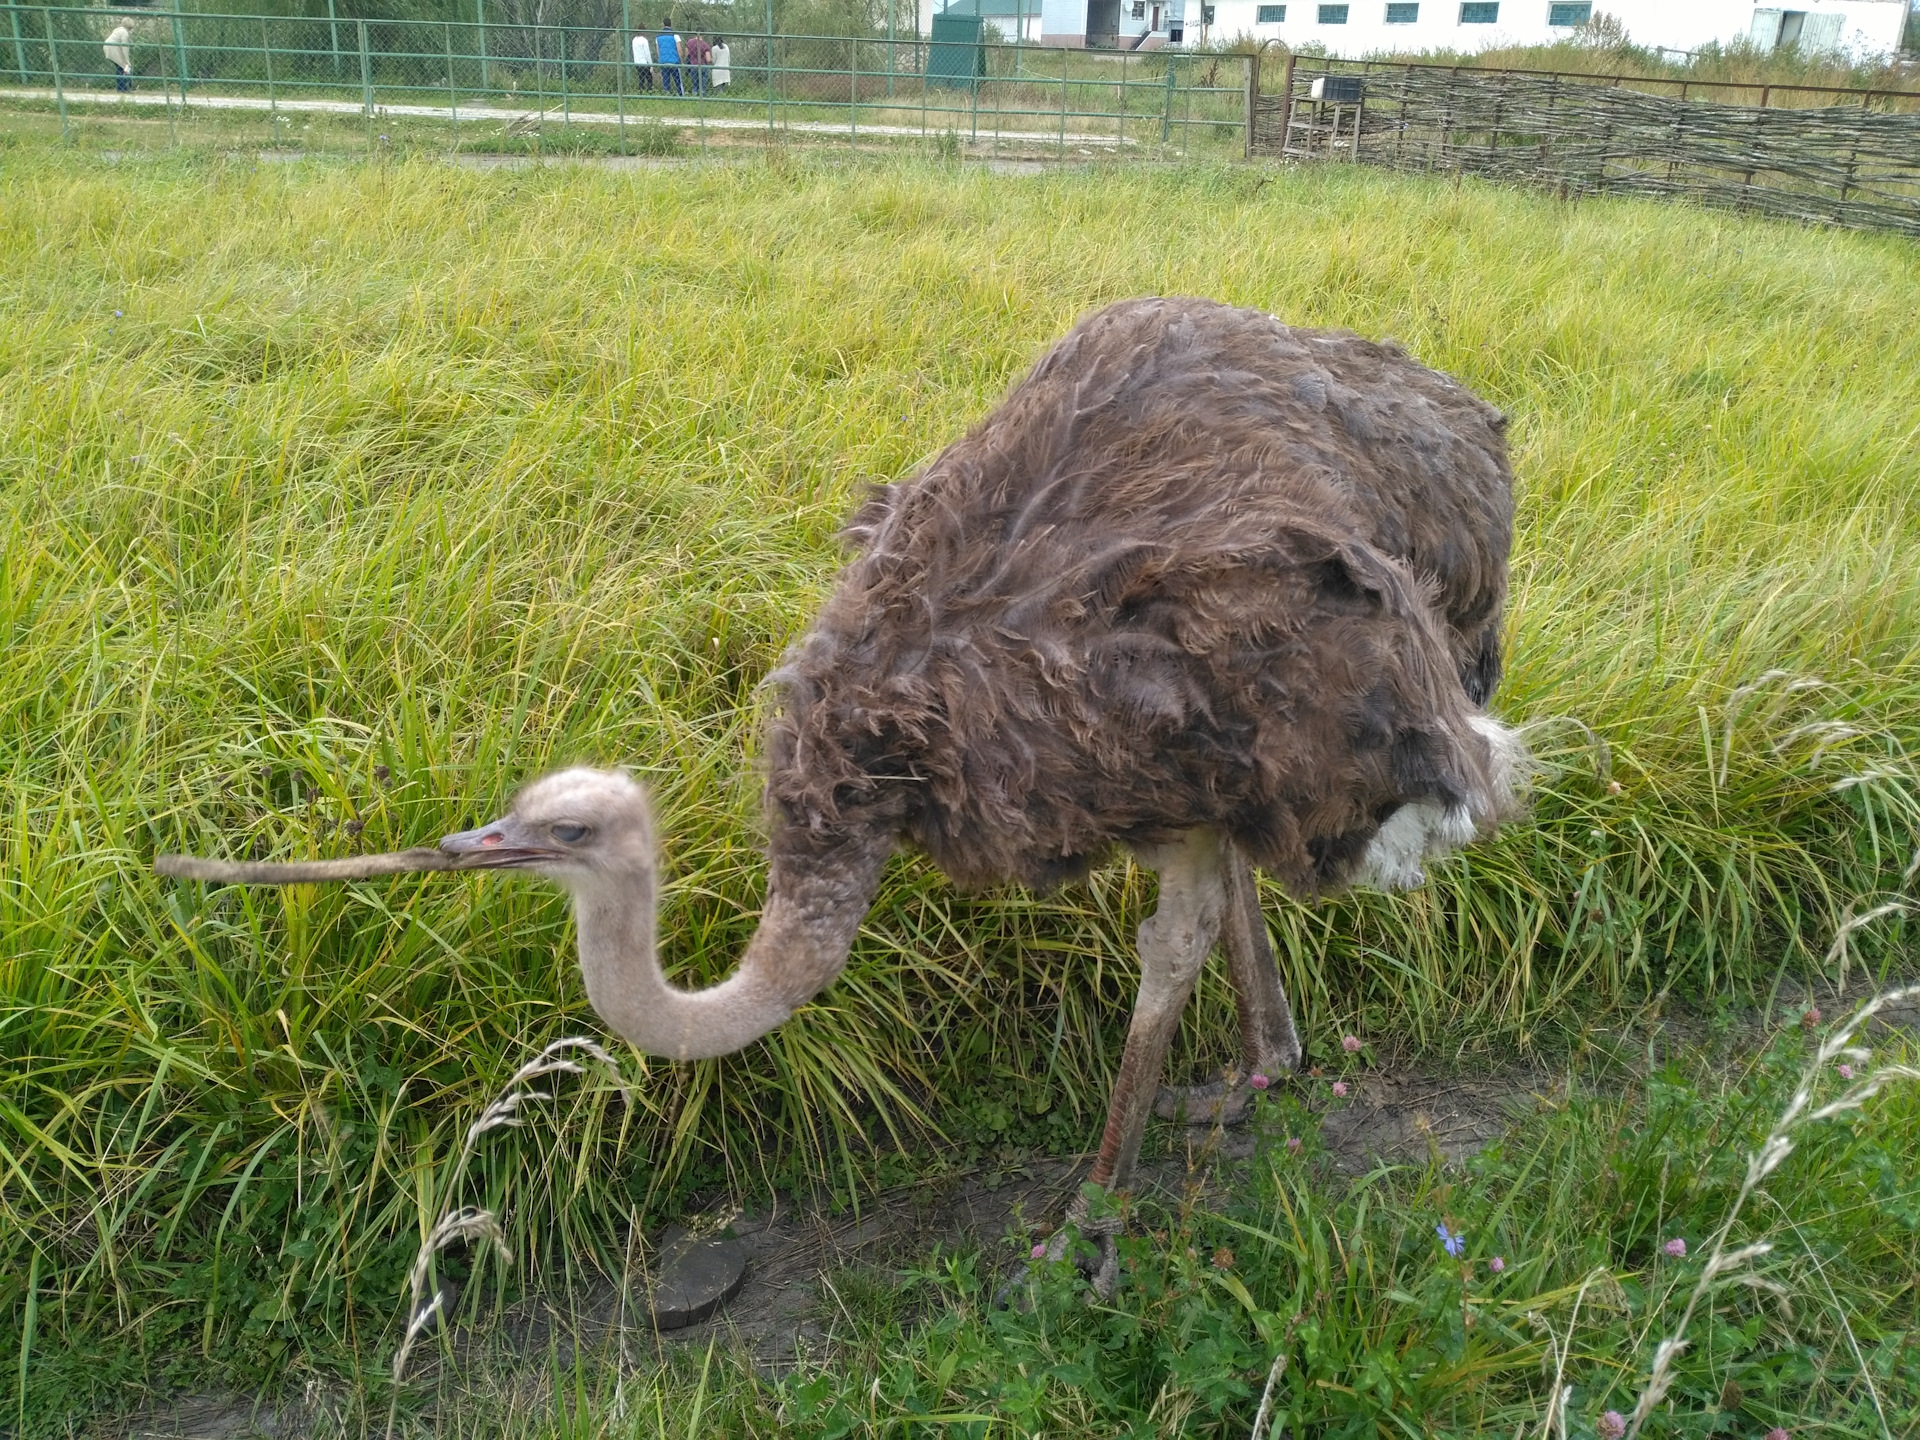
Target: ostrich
(1206, 588)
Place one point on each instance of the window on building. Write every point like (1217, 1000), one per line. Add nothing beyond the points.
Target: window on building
(1403, 14)
(1139, 9)
(1480, 14)
(1570, 14)
(1270, 15)
(1334, 14)
(1802, 30)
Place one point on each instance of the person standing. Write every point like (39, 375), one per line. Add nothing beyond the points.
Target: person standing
(119, 53)
(643, 60)
(667, 51)
(699, 56)
(722, 65)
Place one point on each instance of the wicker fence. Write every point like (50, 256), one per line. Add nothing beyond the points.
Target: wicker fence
(1855, 164)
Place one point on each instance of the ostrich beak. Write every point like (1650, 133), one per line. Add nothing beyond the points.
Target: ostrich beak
(506, 844)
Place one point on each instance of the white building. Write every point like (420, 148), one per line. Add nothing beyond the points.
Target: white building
(1354, 28)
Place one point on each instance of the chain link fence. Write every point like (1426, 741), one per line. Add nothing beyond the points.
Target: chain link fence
(321, 83)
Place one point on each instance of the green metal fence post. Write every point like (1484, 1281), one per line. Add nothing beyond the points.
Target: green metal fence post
(626, 58)
(770, 98)
(180, 56)
(853, 91)
(333, 32)
(453, 93)
(480, 19)
(273, 107)
(59, 85)
(19, 45)
(566, 104)
(173, 127)
(1166, 115)
(999, 103)
(889, 49)
(973, 124)
(366, 83)
(1063, 102)
(1186, 120)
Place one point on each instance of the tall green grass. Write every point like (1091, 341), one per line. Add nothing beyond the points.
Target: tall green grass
(393, 485)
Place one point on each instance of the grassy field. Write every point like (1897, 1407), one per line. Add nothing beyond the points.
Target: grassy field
(338, 499)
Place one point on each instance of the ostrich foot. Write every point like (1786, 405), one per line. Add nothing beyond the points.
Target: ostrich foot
(1224, 1100)
(1092, 1246)
(1097, 1257)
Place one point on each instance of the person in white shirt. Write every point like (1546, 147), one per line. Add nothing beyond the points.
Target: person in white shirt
(120, 55)
(722, 64)
(643, 61)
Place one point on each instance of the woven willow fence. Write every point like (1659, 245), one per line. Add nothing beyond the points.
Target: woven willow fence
(1855, 164)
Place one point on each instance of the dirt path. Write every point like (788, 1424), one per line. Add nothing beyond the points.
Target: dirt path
(521, 117)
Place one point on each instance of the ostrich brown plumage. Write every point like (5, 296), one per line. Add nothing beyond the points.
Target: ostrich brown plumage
(1204, 587)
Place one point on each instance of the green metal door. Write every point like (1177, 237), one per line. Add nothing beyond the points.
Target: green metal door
(955, 55)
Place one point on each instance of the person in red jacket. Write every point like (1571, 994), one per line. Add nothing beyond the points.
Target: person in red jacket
(698, 57)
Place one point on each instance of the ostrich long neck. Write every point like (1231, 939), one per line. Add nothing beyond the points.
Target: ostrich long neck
(816, 899)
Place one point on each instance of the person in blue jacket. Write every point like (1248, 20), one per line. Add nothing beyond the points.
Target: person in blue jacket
(667, 52)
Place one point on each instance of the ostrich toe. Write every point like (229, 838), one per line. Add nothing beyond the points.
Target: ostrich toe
(1224, 1100)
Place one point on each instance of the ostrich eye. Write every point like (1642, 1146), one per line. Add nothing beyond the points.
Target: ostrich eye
(569, 832)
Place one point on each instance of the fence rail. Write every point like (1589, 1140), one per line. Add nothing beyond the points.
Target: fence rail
(482, 84)
(1855, 164)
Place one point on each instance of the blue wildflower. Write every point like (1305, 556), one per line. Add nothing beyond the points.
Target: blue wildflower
(1456, 1244)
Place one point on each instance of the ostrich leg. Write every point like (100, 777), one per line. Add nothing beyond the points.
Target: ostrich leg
(1173, 944)
(1269, 1044)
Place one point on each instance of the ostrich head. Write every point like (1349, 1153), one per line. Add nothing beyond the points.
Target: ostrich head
(579, 828)
(591, 832)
